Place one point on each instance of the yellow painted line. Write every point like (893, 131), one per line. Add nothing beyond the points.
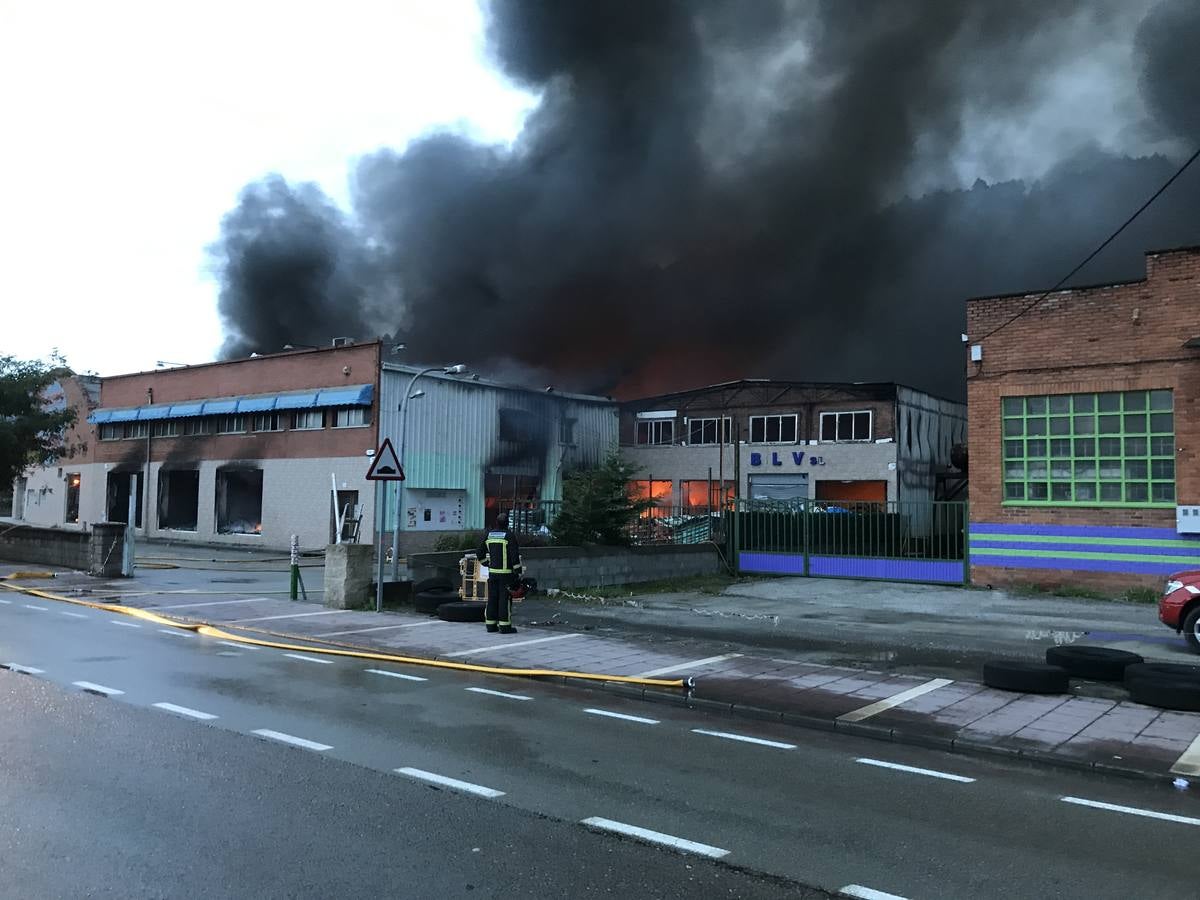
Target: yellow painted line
(1189, 761)
(873, 709)
(209, 631)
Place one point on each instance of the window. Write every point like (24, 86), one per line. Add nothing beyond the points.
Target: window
(566, 432)
(165, 428)
(849, 426)
(112, 431)
(1089, 449)
(773, 429)
(239, 501)
(701, 494)
(268, 421)
(702, 432)
(194, 427)
(352, 417)
(137, 429)
(178, 499)
(235, 424)
(73, 481)
(656, 490)
(308, 419)
(656, 431)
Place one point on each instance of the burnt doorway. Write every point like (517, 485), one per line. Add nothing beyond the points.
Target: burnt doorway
(239, 501)
(178, 499)
(347, 511)
(119, 486)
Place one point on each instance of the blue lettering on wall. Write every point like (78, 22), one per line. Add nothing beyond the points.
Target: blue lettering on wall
(756, 459)
(775, 460)
(798, 457)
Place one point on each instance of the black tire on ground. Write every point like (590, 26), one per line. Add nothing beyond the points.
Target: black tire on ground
(1191, 629)
(433, 584)
(1026, 677)
(1162, 670)
(429, 601)
(1094, 663)
(462, 611)
(1166, 693)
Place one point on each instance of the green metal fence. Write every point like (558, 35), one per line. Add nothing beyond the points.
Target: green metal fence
(895, 541)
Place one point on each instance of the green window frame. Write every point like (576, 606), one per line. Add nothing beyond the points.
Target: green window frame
(1106, 449)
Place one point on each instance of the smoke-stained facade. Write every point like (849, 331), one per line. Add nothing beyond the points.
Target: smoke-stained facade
(711, 190)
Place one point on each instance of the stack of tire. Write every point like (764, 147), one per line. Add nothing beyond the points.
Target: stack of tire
(1166, 685)
(438, 597)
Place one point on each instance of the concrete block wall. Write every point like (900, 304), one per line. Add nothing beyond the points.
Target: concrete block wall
(583, 567)
(97, 551)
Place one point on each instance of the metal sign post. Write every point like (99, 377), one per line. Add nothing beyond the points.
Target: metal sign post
(385, 467)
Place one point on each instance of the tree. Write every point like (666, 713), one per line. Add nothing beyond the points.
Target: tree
(32, 429)
(597, 507)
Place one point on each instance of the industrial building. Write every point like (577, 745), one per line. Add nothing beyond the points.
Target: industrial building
(1082, 410)
(252, 451)
(763, 439)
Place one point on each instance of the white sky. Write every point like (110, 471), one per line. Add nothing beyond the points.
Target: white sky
(127, 129)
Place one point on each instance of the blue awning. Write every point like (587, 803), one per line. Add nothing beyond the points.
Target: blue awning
(348, 395)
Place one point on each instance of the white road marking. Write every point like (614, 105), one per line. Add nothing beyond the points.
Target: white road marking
(316, 659)
(453, 783)
(6, 602)
(72, 615)
(865, 712)
(502, 645)
(291, 739)
(617, 715)
(382, 628)
(655, 837)
(695, 663)
(932, 773)
(1189, 761)
(24, 670)
(324, 612)
(239, 646)
(499, 694)
(1132, 810)
(125, 624)
(176, 632)
(184, 711)
(745, 739)
(38, 608)
(209, 603)
(866, 893)
(97, 688)
(396, 675)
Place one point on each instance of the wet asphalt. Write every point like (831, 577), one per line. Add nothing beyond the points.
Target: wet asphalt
(113, 796)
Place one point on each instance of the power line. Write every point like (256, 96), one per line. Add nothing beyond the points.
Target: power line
(1112, 237)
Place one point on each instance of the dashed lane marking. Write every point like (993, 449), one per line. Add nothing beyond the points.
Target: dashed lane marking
(1132, 811)
(185, 711)
(932, 773)
(311, 659)
(873, 709)
(24, 670)
(498, 694)
(397, 675)
(694, 664)
(1189, 761)
(176, 632)
(71, 615)
(38, 608)
(866, 893)
(453, 783)
(745, 739)
(655, 837)
(93, 688)
(622, 716)
(291, 739)
(239, 646)
(124, 624)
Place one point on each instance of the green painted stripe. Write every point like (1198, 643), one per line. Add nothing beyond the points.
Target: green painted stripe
(1081, 554)
(1063, 539)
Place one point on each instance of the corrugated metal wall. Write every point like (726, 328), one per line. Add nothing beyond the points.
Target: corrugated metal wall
(454, 434)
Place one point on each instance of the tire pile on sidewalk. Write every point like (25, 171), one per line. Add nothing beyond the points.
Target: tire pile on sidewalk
(1165, 685)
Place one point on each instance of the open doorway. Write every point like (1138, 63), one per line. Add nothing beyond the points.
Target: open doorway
(119, 486)
(178, 499)
(239, 501)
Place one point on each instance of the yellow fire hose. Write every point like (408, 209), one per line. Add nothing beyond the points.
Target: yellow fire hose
(329, 649)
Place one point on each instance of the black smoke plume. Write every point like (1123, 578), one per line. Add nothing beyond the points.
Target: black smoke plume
(711, 190)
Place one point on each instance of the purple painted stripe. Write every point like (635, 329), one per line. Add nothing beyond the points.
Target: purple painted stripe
(1077, 565)
(1075, 531)
(771, 563)
(1189, 549)
(887, 569)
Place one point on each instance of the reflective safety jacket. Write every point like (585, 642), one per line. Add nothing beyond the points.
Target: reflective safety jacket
(501, 552)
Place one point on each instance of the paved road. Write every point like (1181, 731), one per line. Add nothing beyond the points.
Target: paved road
(102, 792)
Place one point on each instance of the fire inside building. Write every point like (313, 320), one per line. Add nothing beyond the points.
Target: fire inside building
(1082, 411)
(255, 450)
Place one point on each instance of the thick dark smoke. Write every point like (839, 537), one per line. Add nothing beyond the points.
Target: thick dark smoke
(713, 190)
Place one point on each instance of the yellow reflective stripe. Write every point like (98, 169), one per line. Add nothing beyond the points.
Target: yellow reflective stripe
(503, 569)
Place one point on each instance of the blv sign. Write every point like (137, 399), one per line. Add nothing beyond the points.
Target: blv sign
(797, 459)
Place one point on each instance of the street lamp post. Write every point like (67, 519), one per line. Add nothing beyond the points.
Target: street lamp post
(459, 369)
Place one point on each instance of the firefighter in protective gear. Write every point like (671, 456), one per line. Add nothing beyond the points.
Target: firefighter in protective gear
(503, 557)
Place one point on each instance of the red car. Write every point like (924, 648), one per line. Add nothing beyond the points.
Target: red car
(1180, 606)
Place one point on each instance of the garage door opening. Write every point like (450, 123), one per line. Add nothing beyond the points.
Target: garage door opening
(852, 492)
(118, 488)
(780, 488)
(239, 501)
(178, 499)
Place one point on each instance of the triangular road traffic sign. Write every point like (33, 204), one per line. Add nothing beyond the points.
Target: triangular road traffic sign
(386, 465)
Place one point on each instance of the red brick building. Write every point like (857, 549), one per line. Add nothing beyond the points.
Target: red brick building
(1084, 429)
